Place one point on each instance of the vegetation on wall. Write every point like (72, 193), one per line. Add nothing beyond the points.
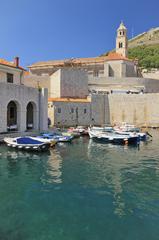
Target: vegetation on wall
(148, 56)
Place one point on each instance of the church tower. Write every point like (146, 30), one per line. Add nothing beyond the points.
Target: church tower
(121, 40)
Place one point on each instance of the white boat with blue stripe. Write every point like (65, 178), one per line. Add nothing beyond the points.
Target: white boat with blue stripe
(27, 143)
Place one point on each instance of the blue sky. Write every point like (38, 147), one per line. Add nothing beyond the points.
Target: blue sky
(39, 30)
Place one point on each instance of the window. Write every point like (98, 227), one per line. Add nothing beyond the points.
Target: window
(122, 33)
(120, 45)
(9, 78)
(85, 111)
(59, 110)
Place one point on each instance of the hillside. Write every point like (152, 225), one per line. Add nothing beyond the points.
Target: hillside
(150, 37)
(148, 56)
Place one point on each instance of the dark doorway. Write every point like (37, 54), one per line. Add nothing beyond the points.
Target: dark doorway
(12, 116)
(30, 116)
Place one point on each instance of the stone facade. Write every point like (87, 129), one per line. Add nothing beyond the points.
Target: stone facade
(140, 109)
(101, 77)
(121, 40)
(69, 113)
(17, 74)
(133, 84)
(21, 107)
(69, 83)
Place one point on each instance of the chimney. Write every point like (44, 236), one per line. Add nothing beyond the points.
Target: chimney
(16, 61)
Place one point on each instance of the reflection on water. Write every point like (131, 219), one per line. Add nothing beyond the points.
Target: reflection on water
(111, 171)
(53, 169)
(51, 163)
(82, 190)
(118, 167)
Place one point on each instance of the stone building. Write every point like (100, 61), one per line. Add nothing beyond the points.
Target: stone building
(69, 82)
(21, 108)
(69, 111)
(105, 74)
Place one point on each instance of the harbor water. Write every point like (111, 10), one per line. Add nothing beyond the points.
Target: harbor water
(81, 191)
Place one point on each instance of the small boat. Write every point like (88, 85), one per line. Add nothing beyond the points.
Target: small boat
(127, 128)
(27, 143)
(114, 138)
(82, 130)
(74, 133)
(142, 136)
(99, 130)
(78, 131)
(102, 129)
(52, 142)
(57, 137)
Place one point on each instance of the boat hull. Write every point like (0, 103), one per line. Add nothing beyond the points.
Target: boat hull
(11, 142)
(120, 141)
(114, 138)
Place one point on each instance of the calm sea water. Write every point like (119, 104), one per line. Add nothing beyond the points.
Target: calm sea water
(80, 191)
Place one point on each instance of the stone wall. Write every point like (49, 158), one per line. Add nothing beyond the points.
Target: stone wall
(55, 84)
(142, 110)
(138, 109)
(70, 113)
(69, 83)
(119, 69)
(36, 81)
(99, 110)
(107, 84)
(151, 75)
(22, 95)
(17, 74)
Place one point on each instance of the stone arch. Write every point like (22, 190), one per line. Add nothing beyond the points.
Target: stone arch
(31, 116)
(13, 116)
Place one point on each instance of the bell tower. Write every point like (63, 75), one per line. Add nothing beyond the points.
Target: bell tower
(121, 40)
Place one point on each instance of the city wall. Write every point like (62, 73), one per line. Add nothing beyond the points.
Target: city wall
(140, 109)
(103, 83)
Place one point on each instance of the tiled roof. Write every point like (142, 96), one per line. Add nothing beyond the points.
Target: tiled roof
(74, 61)
(9, 64)
(117, 56)
(79, 61)
(26, 73)
(76, 100)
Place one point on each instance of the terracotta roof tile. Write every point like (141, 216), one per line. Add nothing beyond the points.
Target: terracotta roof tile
(74, 61)
(79, 100)
(116, 56)
(9, 64)
(26, 73)
(78, 61)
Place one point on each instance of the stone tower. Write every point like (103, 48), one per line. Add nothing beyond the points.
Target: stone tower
(121, 40)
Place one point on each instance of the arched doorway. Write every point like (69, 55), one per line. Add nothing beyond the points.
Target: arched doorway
(12, 117)
(31, 116)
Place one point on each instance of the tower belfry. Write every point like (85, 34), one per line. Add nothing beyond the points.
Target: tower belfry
(121, 40)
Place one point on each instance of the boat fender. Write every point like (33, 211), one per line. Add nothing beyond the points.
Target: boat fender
(126, 141)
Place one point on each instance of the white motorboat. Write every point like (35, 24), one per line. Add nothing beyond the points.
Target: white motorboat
(27, 143)
(114, 138)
